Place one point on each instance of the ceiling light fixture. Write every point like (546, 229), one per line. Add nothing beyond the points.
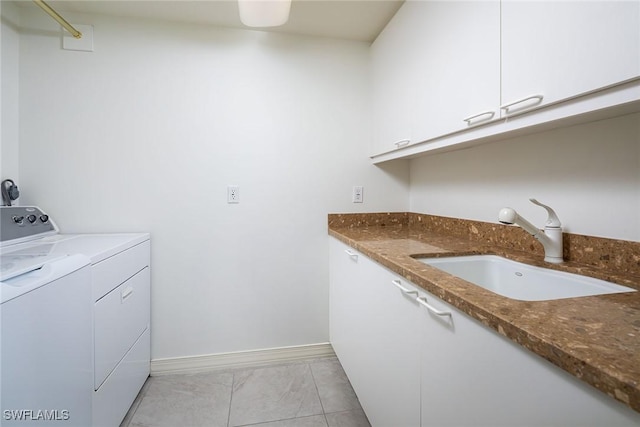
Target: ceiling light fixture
(264, 13)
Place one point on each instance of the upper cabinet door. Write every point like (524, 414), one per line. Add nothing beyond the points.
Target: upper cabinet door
(457, 66)
(434, 65)
(560, 49)
(392, 79)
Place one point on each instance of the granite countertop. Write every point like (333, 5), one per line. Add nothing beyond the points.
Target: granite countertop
(595, 338)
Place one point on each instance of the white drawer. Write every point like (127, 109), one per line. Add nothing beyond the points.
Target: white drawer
(119, 319)
(114, 398)
(111, 272)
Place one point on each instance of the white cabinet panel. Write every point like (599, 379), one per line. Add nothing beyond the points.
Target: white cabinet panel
(392, 55)
(435, 64)
(560, 49)
(500, 383)
(391, 348)
(345, 306)
(458, 66)
(374, 334)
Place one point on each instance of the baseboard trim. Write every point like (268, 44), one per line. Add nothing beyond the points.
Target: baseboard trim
(240, 359)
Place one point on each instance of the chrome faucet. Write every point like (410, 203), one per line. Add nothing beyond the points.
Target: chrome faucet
(551, 238)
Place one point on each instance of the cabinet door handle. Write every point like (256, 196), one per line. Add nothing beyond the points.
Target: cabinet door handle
(506, 107)
(404, 290)
(489, 115)
(402, 143)
(432, 309)
(352, 254)
(126, 294)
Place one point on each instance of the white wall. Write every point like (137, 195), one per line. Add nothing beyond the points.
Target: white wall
(9, 70)
(589, 174)
(145, 134)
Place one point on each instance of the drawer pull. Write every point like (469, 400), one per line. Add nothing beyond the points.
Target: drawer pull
(489, 115)
(352, 254)
(404, 290)
(432, 309)
(506, 107)
(402, 143)
(126, 294)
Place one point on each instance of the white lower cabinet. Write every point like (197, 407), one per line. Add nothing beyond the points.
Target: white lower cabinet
(472, 376)
(412, 367)
(374, 332)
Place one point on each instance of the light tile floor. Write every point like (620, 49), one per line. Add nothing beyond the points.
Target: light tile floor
(314, 393)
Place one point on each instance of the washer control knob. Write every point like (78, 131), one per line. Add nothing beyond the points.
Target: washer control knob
(32, 218)
(18, 219)
(44, 218)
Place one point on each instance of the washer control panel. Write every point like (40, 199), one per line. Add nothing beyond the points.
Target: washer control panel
(23, 222)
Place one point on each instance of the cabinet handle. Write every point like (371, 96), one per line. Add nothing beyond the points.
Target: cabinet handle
(489, 115)
(402, 143)
(126, 294)
(432, 309)
(352, 254)
(506, 107)
(404, 290)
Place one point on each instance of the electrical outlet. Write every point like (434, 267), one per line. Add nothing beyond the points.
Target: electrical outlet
(233, 194)
(358, 195)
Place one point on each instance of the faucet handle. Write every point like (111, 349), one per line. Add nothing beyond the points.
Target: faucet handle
(553, 220)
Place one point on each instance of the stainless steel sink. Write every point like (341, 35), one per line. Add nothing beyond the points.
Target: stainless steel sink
(520, 281)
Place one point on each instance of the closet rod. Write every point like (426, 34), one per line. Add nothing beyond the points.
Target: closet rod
(75, 33)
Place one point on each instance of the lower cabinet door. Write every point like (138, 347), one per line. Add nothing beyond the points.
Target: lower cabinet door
(472, 376)
(375, 326)
(346, 320)
(391, 352)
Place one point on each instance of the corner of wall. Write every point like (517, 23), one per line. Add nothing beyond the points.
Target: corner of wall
(9, 76)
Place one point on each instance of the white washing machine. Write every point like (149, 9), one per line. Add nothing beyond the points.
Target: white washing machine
(75, 333)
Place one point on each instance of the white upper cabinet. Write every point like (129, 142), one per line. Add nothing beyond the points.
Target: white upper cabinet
(561, 49)
(391, 68)
(434, 65)
(457, 66)
(438, 63)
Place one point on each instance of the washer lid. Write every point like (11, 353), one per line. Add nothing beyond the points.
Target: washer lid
(21, 261)
(47, 272)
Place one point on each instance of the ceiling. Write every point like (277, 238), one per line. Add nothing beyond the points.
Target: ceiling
(345, 19)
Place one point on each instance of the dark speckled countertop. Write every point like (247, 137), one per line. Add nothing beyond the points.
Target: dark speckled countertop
(595, 338)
